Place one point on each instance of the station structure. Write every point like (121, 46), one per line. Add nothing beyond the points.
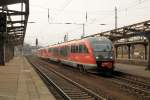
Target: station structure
(12, 30)
(20, 81)
(126, 32)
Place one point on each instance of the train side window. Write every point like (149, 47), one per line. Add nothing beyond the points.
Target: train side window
(52, 50)
(76, 49)
(85, 49)
(80, 48)
(66, 50)
(69, 49)
(61, 51)
(72, 49)
(55, 51)
(49, 50)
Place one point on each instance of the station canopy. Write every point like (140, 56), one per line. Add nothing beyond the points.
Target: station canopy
(138, 29)
(17, 12)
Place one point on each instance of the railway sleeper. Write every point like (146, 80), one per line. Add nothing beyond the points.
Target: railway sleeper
(69, 87)
(79, 94)
(136, 91)
(140, 84)
(134, 78)
(83, 98)
(72, 89)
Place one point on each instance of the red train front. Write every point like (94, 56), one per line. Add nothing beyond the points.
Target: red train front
(90, 54)
(104, 55)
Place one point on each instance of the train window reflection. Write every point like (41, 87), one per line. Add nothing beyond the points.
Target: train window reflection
(102, 47)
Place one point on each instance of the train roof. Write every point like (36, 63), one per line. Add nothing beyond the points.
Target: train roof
(42, 48)
(98, 39)
(91, 39)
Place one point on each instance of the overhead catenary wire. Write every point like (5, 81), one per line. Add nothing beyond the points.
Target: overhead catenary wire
(100, 15)
(109, 15)
(99, 11)
(119, 10)
(134, 5)
(64, 6)
(130, 7)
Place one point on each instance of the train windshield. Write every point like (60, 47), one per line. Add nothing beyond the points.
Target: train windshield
(105, 47)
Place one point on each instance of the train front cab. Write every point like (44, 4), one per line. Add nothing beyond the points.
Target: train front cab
(104, 55)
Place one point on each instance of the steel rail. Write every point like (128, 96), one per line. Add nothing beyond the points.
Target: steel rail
(139, 88)
(74, 91)
(49, 81)
(135, 82)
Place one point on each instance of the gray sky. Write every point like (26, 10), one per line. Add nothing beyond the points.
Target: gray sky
(74, 11)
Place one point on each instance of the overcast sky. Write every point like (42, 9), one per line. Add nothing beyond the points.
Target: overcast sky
(74, 11)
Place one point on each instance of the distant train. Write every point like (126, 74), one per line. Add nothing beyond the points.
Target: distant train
(94, 54)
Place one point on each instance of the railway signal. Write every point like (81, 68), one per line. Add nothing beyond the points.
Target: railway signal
(36, 42)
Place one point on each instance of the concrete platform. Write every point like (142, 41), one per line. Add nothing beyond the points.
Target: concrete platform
(132, 69)
(18, 81)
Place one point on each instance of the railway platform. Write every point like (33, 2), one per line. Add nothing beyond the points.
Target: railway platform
(132, 69)
(19, 81)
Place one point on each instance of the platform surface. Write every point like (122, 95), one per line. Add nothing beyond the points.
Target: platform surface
(19, 81)
(132, 69)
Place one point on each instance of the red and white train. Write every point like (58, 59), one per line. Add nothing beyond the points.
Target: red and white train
(88, 54)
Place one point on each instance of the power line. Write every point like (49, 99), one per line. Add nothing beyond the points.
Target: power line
(127, 8)
(133, 6)
(69, 1)
(65, 6)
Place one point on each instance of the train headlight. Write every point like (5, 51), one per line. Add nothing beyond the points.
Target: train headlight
(97, 57)
(111, 57)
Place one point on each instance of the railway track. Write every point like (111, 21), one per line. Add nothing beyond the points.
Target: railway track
(145, 85)
(133, 85)
(138, 79)
(129, 83)
(67, 88)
